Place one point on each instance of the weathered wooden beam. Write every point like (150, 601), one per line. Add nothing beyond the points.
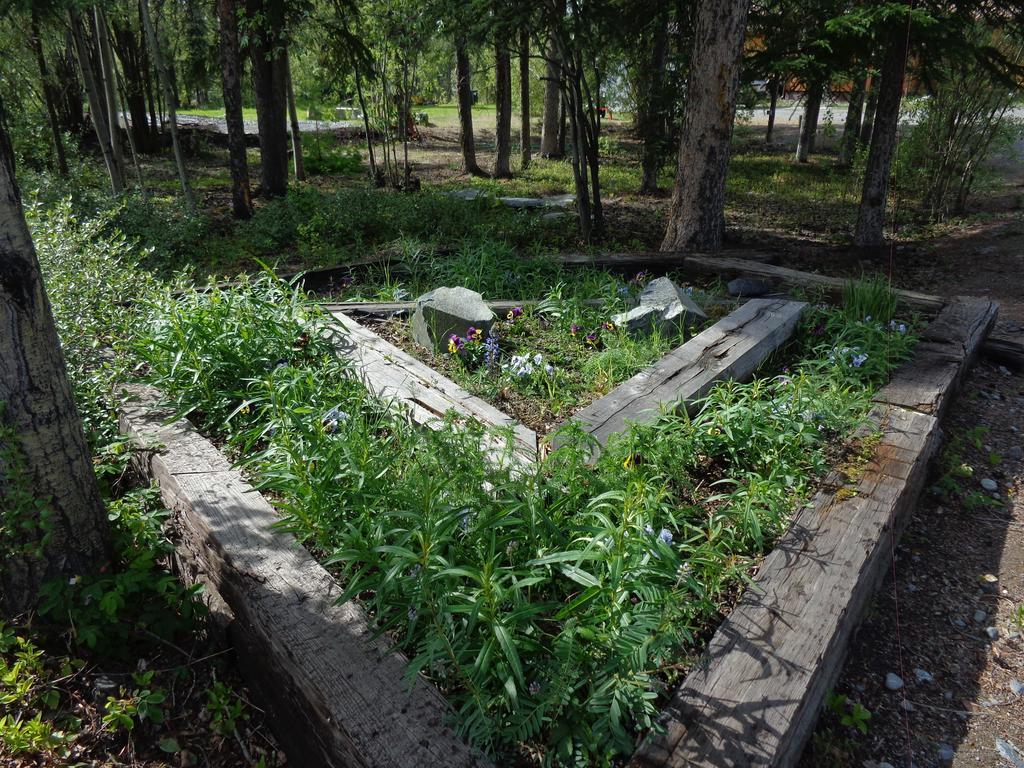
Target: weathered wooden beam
(949, 345)
(724, 266)
(1008, 352)
(755, 696)
(394, 308)
(393, 374)
(732, 348)
(657, 260)
(337, 694)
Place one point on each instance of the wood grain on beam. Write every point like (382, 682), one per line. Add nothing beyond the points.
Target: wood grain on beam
(337, 695)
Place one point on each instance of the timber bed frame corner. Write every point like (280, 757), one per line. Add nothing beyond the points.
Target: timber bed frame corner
(339, 696)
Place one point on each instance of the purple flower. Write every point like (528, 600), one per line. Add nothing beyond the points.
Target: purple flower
(574, 329)
(592, 339)
(534, 688)
(514, 313)
(859, 360)
(665, 535)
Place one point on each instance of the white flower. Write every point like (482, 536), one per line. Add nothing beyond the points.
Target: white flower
(538, 359)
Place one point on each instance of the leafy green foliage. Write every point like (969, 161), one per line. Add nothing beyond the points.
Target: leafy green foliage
(551, 607)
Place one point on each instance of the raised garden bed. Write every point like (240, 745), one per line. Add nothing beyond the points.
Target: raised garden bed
(837, 542)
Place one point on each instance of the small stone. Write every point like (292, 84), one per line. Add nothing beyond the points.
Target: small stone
(748, 286)
(992, 632)
(959, 623)
(664, 306)
(923, 676)
(1017, 687)
(980, 616)
(946, 754)
(947, 695)
(1015, 452)
(906, 705)
(102, 687)
(1004, 370)
(989, 484)
(893, 681)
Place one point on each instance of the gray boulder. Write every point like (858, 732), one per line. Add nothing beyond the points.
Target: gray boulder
(662, 306)
(445, 311)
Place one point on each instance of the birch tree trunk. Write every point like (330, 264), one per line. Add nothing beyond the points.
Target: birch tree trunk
(773, 102)
(503, 111)
(97, 104)
(809, 125)
(171, 99)
(465, 95)
(49, 94)
(870, 103)
(293, 118)
(43, 450)
(231, 85)
(697, 215)
(553, 115)
(851, 126)
(526, 148)
(106, 59)
(871, 214)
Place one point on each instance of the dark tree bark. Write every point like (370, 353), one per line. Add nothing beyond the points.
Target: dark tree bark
(268, 78)
(375, 176)
(42, 446)
(106, 62)
(651, 109)
(563, 132)
(97, 102)
(171, 98)
(809, 124)
(526, 148)
(554, 117)
(503, 111)
(231, 85)
(773, 102)
(70, 107)
(465, 95)
(871, 214)
(851, 126)
(697, 216)
(870, 103)
(49, 94)
(293, 119)
(133, 66)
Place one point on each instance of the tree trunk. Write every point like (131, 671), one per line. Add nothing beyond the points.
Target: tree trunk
(46, 475)
(374, 175)
(106, 60)
(697, 216)
(171, 99)
(231, 85)
(97, 106)
(870, 103)
(773, 102)
(465, 95)
(561, 133)
(293, 118)
(851, 126)
(503, 111)
(554, 117)
(871, 214)
(809, 125)
(70, 108)
(133, 67)
(49, 95)
(526, 148)
(651, 116)
(269, 87)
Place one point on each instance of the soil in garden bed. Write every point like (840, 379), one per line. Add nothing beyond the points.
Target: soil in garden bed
(545, 369)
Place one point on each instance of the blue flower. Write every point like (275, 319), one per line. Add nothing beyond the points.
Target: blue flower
(412, 614)
(859, 360)
(534, 688)
(333, 417)
(665, 535)
(649, 530)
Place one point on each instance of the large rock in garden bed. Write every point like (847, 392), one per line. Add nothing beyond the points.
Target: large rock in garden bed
(663, 306)
(446, 311)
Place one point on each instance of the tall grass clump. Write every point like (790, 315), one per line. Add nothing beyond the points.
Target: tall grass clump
(552, 607)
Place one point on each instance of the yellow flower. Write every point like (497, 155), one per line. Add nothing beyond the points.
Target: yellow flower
(628, 463)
